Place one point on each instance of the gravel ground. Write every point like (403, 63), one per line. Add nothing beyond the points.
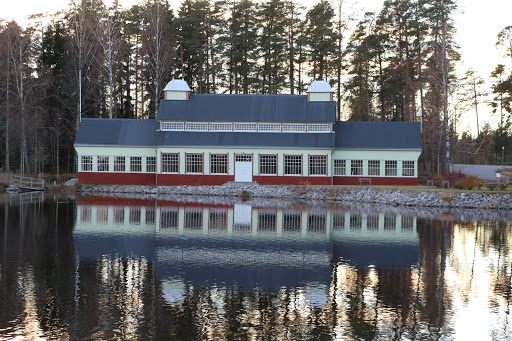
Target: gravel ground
(343, 195)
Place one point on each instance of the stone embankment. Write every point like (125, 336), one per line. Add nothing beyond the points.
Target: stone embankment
(349, 195)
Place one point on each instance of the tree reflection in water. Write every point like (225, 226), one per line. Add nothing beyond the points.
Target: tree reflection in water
(117, 268)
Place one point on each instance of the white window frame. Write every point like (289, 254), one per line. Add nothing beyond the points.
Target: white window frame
(317, 165)
(135, 164)
(269, 127)
(291, 164)
(151, 164)
(196, 126)
(294, 127)
(119, 164)
(218, 163)
(319, 128)
(391, 168)
(170, 163)
(408, 168)
(340, 167)
(103, 164)
(356, 167)
(218, 126)
(268, 164)
(194, 163)
(245, 127)
(86, 163)
(374, 167)
(172, 125)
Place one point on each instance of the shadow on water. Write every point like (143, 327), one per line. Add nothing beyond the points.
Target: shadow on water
(153, 268)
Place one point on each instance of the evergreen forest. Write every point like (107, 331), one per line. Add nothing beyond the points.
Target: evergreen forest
(97, 60)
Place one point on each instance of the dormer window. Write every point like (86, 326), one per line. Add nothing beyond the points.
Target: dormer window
(177, 90)
(320, 91)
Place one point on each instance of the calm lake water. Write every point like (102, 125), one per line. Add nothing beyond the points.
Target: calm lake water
(120, 268)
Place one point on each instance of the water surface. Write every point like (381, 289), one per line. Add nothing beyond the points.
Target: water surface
(139, 268)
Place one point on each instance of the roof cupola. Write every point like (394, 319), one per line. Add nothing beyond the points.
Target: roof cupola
(320, 91)
(177, 90)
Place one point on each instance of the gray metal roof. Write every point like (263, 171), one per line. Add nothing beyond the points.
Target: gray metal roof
(116, 132)
(378, 135)
(247, 108)
(244, 139)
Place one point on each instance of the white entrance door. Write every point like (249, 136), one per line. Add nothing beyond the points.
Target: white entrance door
(243, 168)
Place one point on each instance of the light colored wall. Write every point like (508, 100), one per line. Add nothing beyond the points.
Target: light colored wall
(255, 154)
(319, 96)
(382, 156)
(115, 151)
(176, 95)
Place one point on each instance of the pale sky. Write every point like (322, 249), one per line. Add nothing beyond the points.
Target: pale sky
(478, 23)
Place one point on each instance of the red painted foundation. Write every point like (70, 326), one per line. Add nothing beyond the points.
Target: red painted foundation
(354, 180)
(121, 201)
(193, 179)
(210, 180)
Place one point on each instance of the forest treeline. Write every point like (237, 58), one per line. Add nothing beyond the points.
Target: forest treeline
(93, 60)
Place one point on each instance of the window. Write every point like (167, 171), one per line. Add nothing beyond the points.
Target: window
(389, 222)
(221, 126)
(338, 221)
(102, 163)
(356, 221)
(119, 215)
(268, 164)
(193, 219)
(356, 167)
(294, 127)
(169, 218)
(372, 222)
(86, 163)
(292, 221)
(151, 164)
(407, 168)
(315, 127)
(245, 127)
(102, 214)
(218, 220)
(318, 165)
(374, 167)
(243, 158)
(391, 168)
(267, 221)
(194, 163)
(293, 164)
(317, 222)
(150, 215)
(85, 214)
(135, 164)
(134, 215)
(172, 126)
(407, 223)
(119, 164)
(218, 163)
(197, 126)
(269, 127)
(170, 163)
(340, 167)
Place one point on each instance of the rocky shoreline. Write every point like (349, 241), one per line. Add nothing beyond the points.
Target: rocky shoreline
(342, 195)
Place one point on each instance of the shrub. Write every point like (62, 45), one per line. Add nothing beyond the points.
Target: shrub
(469, 182)
(438, 180)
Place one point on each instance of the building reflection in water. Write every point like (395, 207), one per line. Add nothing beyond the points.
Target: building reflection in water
(135, 268)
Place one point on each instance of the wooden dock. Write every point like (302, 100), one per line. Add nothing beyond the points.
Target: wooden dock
(25, 184)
